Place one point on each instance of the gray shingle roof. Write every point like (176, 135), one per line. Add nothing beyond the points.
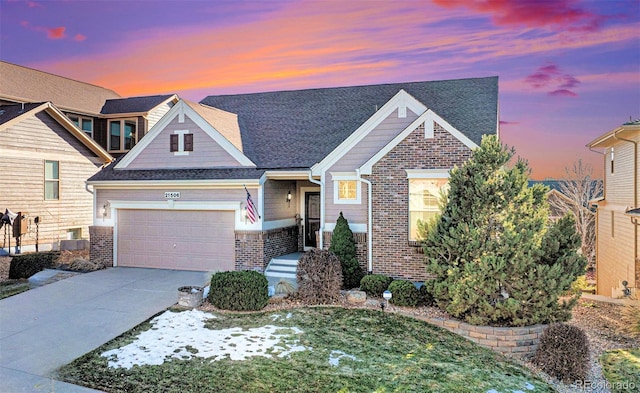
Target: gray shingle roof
(133, 104)
(296, 129)
(9, 112)
(110, 174)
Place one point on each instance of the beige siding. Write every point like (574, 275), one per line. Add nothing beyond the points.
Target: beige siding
(354, 213)
(157, 194)
(619, 184)
(156, 114)
(615, 260)
(373, 142)
(379, 137)
(23, 150)
(206, 152)
(276, 206)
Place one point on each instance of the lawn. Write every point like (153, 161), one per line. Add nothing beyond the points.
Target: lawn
(13, 287)
(318, 349)
(621, 367)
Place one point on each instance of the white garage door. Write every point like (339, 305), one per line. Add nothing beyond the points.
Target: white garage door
(176, 239)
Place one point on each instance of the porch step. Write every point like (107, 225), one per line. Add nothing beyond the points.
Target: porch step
(284, 266)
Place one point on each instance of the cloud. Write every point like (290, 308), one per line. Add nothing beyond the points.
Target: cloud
(562, 93)
(508, 123)
(53, 33)
(550, 76)
(558, 15)
(56, 33)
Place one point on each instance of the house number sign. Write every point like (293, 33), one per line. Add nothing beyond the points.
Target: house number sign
(172, 194)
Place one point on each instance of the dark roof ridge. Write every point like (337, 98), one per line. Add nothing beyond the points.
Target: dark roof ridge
(347, 87)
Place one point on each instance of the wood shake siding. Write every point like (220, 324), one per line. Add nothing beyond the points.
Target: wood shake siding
(276, 206)
(392, 253)
(206, 152)
(22, 166)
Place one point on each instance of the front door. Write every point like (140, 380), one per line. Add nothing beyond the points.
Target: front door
(311, 218)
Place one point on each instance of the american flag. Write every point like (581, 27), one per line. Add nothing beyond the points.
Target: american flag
(252, 212)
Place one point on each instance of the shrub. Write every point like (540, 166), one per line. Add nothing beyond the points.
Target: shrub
(404, 293)
(631, 318)
(505, 264)
(239, 290)
(26, 265)
(375, 284)
(343, 245)
(319, 277)
(426, 299)
(563, 352)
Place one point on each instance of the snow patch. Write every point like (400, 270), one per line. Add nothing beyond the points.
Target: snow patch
(335, 356)
(182, 335)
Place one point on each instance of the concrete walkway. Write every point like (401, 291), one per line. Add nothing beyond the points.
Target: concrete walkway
(49, 326)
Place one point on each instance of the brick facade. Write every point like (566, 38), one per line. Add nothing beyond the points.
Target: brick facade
(361, 247)
(254, 249)
(393, 254)
(101, 245)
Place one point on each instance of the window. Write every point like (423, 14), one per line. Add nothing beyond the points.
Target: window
(346, 190)
(84, 123)
(424, 195)
(612, 160)
(51, 180)
(181, 142)
(122, 134)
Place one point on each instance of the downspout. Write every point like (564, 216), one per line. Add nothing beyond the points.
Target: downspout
(321, 184)
(635, 195)
(369, 222)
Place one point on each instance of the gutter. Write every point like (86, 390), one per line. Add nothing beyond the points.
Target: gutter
(369, 222)
(321, 184)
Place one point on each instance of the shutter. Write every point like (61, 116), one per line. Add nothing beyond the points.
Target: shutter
(173, 145)
(188, 142)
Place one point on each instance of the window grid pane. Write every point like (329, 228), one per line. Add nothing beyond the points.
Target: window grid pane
(114, 133)
(51, 180)
(424, 195)
(347, 190)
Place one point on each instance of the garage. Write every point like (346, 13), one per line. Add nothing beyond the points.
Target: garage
(176, 239)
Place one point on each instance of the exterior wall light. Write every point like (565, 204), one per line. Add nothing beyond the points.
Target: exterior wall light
(289, 198)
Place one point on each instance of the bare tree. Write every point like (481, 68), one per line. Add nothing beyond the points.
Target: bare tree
(578, 189)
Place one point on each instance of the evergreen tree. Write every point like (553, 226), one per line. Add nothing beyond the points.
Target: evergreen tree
(495, 260)
(343, 245)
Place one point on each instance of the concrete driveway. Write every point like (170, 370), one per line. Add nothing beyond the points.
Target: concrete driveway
(49, 326)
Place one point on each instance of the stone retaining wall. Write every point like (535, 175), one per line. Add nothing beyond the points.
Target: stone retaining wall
(513, 341)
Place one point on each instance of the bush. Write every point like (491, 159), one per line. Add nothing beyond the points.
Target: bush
(343, 245)
(239, 291)
(319, 277)
(375, 284)
(26, 265)
(426, 298)
(404, 293)
(563, 352)
(631, 318)
(505, 264)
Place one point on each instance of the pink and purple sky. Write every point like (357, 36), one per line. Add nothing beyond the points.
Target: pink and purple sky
(569, 70)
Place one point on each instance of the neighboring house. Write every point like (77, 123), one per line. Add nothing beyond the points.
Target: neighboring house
(379, 154)
(116, 123)
(44, 161)
(618, 232)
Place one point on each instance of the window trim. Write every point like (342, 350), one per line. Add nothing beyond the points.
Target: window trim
(80, 120)
(183, 146)
(337, 177)
(55, 180)
(122, 139)
(420, 174)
